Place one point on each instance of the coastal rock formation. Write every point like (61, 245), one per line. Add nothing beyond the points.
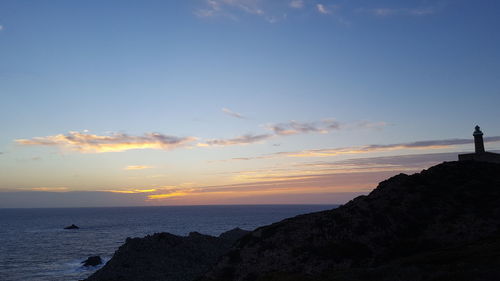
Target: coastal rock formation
(92, 261)
(164, 256)
(72, 227)
(440, 224)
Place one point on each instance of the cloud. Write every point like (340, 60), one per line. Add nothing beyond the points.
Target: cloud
(385, 12)
(131, 191)
(297, 4)
(325, 126)
(370, 125)
(315, 185)
(314, 182)
(227, 8)
(278, 10)
(429, 144)
(241, 140)
(249, 6)
(270, 11)
(1, 27)
(90, 143)
(422, 11)
(213, 8)
(310, 172)
(167, 195)
(50, 189)
(322, 9)
(293, 127)
(137, 167)
(232, 113)
(275, 19)
(330, 152)
(407, 161)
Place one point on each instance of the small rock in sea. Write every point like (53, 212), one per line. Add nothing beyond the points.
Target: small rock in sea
(72, 227)
(92, 261)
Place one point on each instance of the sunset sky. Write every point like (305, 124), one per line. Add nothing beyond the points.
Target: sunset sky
(119, 103)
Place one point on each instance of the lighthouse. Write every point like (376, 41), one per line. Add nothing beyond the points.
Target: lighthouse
(480, 154)
(478, 140)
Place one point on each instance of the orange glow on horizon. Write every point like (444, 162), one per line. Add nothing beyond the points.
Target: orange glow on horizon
(50, 189)
(133, 191)
(137, 167)
(167, 195)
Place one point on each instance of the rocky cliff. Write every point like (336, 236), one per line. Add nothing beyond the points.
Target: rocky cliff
(440, 224)
(164, 256)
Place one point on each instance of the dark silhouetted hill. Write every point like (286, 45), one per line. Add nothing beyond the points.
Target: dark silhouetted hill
(440, 224)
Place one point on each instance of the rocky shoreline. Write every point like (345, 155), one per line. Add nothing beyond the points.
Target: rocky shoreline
(440, 224)
(164, 256)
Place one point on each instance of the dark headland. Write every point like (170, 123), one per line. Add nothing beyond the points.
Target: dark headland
(440, 224)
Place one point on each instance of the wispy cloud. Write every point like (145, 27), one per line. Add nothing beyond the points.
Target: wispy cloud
(331, 152)
(165, 195)
(293, 128)
(132, 191)
(137, 167)
(232, 113)
(430, 144)
(241, 140)
(278, 10)
(322, 9)
(1, 27)
(385, 12)
(370, 125)
(313, 182)
(227, 8)
(270, 11)
(400, 162)
(325, 126)
(269, 185)
(310, 172)
(90, 143)
(297, 4)
(50, 189)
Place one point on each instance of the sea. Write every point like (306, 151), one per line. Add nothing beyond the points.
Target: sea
(35, 246)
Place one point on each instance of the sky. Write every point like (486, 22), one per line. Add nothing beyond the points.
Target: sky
(199, 102)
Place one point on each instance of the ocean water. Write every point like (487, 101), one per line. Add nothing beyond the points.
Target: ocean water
(34, 245)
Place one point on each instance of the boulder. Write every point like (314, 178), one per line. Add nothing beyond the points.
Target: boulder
(72, 227)
(92, 261)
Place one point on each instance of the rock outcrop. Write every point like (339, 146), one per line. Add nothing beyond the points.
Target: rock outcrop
(440, 224)
(92, 261)
(164, 256)
(72, 227)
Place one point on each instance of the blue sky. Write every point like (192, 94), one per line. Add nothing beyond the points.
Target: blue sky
(197, 86)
